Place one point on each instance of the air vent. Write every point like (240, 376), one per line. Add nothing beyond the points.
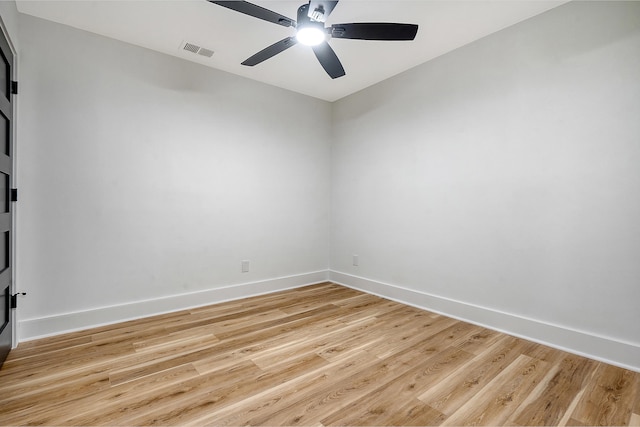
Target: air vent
(194, 48)
(205, 52)
(191, 47)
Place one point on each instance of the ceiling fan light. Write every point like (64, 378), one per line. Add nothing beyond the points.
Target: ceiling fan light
(310, 36)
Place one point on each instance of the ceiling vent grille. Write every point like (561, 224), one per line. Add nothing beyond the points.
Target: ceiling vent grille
(205, 52)
(194, 48)
(191, 47)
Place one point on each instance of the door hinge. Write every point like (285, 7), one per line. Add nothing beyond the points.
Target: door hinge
(14, 299)
(14, 194)
(14, 87)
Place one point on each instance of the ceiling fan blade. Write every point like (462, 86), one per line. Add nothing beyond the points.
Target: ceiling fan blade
(319, 10)
(270, 51)
(329, 60)
(374, 31)
(257, 12)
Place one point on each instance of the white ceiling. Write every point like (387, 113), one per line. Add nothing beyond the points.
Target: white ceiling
(165, 25)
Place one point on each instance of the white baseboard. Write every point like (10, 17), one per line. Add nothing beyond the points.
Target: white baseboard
(29, 329)
(604, 349)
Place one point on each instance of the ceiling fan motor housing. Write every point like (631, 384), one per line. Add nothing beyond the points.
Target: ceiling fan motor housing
(305, 21)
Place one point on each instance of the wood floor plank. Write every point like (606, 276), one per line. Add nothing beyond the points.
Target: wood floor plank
(328, 297)
(501, 396)
(277, 348)
(180, 353)
(262, 404)
(566, 418)
(316, 402)
(449, 395)
(206, 401)
(317, 355)
(553, 396)
(609, 397)
(327, 342)
(293, 320)
(410, 413)
(478, 342)
(217, 387)
(118, 398)
(374, 337)
(383, 400)
(441, 332)
(243, 321)
(92, 409)
(250, 334)
(53, 395)
(171, 339)
(52, 348)
(39, 373)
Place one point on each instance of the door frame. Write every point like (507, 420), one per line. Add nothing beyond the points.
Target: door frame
(14, 181)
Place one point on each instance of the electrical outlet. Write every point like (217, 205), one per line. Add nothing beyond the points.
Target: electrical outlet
(355, 260)
(245, 265)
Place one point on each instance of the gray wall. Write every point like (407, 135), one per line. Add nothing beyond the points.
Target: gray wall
(143, 176)
(504, 176)
(9, 14)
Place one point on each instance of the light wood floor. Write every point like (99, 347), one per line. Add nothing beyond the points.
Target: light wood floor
(319, 355)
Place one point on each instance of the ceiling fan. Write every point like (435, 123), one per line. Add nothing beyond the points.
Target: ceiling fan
(310, 31)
